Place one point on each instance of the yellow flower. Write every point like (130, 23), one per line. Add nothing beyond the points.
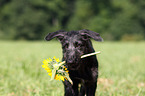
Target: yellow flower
(55, 66)
(45, 62)
(48, 70)
(56, 77)
(65, 69)
(56, 69)
(62, 78)
(59, 77)
(56, 59)
(45, 66)
(50, 74)
(50, 59)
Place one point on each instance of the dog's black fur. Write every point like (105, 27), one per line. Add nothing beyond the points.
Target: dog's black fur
(82, 71)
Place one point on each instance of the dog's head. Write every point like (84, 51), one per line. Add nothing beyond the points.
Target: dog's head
(74, 44)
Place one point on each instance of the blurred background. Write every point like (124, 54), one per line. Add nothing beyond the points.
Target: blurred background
(24, 23)
(33, 19)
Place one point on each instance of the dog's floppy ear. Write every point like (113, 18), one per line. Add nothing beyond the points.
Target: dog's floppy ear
(58, 34)
(91, 34)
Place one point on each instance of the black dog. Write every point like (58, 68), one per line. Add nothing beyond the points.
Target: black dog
(82, 71)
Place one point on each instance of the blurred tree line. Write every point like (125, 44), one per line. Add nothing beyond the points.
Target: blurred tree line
(33, 19)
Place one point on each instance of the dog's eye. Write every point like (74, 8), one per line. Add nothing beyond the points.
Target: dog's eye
(66, 45)
(76, 44)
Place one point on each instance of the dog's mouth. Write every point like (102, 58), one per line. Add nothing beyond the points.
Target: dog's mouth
(73, 63)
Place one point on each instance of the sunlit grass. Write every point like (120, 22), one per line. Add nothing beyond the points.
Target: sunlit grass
(121, 68)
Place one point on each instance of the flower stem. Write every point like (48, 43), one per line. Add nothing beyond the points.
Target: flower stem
(61, 63)
(95, 53)
(53, 74)
(67, 76)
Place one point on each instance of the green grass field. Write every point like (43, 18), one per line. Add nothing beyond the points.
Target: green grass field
(121, 68)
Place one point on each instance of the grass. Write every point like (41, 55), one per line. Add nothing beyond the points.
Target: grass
(121, 68)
